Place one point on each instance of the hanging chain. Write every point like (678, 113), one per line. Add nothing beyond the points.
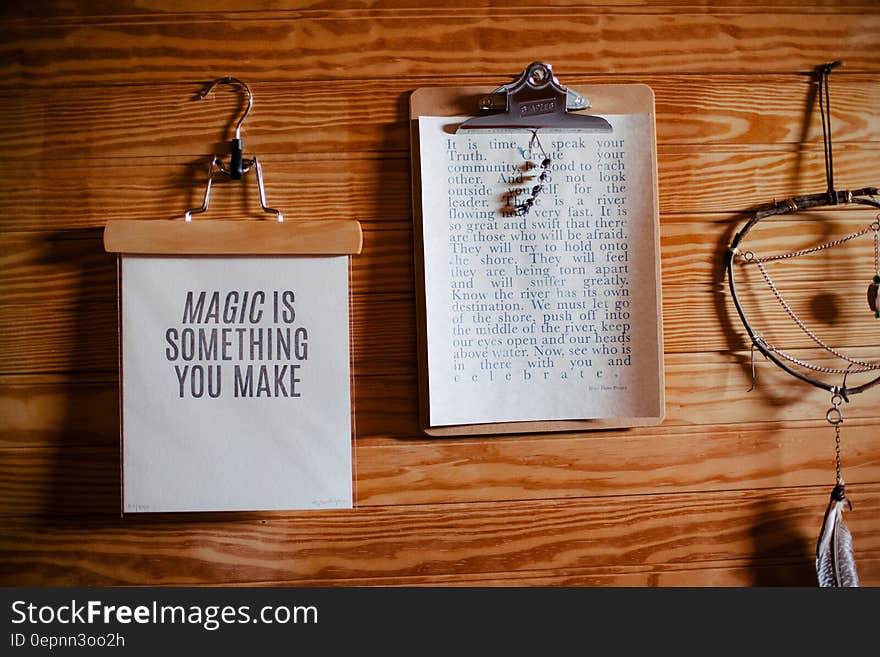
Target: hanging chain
(797, 320)
(834, 416)
(750, 258)
(816, 368)
(837, 452)
(876, 228)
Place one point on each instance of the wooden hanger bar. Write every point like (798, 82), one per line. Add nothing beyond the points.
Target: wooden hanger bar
(325, 237)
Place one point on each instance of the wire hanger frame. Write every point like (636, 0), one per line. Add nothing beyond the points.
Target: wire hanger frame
(867, 196)
(238, 164)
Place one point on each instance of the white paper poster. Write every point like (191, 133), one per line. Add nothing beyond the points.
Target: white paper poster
(235, 383)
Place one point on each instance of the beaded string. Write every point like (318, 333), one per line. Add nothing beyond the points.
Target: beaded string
(522, 209)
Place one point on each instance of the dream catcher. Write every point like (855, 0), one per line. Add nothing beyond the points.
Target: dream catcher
(841, 374)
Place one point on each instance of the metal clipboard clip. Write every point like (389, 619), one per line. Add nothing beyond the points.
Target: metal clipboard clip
(535, 101)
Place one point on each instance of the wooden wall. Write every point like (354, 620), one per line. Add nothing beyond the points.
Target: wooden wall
(98, 119)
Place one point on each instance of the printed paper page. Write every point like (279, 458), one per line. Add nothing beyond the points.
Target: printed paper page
(549, 315)
(235, 384)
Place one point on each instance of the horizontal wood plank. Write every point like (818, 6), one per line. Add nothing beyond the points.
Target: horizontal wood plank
(477, 40)
(347, 187)
(52, 124)
(693, 248)
(59, 410)
(68, 267)
(81, 409)
(730, 573)
(370, 188)
(145, 9)
(73, 283)
(600, 464)
(429, 540)
(67, 479)
(85, 336)
(702, 391)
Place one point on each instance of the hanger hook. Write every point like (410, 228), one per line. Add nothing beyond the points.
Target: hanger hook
(230, 80)
(237, 166)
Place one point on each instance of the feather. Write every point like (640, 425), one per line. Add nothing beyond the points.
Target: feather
(835, 564)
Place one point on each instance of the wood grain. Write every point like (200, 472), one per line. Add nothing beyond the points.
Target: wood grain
(68, 266)
(693, 180)
(82, 410)
(396, 542)
(478, 40)
(74, 284)
(82, 335)
(66, 479)
(59, 410)
(329, 116)
(143, 9)
(693, 247)
(99, 115)
(729, 573)
(702, 391)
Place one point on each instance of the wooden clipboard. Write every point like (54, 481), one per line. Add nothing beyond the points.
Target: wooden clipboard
(462, 101)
